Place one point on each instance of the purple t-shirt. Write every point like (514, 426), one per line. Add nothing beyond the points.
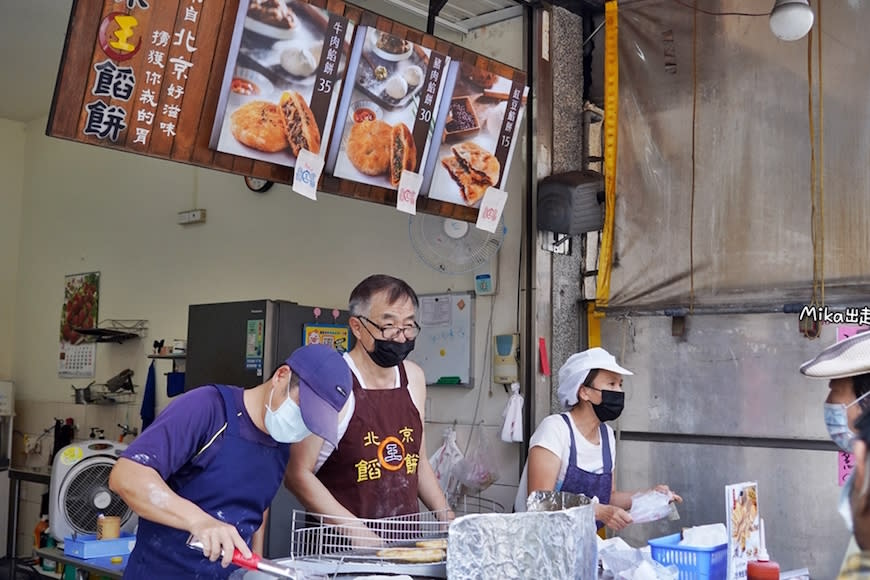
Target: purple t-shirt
(171, 443)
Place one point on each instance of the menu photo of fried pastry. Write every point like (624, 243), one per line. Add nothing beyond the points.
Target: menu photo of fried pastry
(300, 126)
(403, 152)
(473, 169)
(273, 127)
(377, 148)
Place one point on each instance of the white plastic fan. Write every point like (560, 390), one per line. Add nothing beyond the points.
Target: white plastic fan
(80, 489)
(452, 246)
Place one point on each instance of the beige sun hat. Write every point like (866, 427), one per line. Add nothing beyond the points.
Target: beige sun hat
(846, 358)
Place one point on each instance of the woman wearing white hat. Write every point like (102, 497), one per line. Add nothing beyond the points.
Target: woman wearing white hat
(575, 451)
(846, 365)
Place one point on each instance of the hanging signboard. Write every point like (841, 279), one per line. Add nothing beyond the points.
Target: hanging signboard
(243, 85)
(478, 130)
(388, 114)
(282, 81)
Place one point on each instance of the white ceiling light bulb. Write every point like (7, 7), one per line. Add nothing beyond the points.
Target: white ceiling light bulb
(791, 19)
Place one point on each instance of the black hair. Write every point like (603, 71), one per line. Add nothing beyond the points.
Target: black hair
(861, 386)
(587, 382)
(361, 296)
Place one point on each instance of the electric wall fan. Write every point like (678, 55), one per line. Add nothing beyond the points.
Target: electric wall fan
(453, 246)
(80, 489)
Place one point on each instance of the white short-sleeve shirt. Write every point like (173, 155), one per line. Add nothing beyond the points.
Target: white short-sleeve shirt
(552, 434)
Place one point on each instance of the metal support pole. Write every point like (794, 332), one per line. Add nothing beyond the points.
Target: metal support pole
(530, 227)
(435, 7)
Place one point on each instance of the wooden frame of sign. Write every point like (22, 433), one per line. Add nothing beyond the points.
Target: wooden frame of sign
(181, 119)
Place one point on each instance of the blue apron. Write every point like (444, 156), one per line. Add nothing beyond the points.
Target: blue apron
(239, 484)
(585, 482)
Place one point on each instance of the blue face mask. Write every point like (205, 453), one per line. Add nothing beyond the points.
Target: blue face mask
(837, 422)
(285, 424)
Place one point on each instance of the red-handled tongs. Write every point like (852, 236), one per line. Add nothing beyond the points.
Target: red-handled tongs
(255, 562)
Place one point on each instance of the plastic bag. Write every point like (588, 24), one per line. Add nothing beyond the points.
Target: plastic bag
(512, 430)
(477, 470)
(652, 505)
(445, 457)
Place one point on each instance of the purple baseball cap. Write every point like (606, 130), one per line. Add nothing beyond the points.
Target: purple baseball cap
(324, 386)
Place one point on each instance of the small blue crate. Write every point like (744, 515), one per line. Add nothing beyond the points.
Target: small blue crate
(88, 546)
(693, 563)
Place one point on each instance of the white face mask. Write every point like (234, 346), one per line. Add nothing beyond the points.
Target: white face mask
(285, 424)
(837, 422)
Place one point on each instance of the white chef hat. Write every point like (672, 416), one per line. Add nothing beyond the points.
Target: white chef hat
(576, 369)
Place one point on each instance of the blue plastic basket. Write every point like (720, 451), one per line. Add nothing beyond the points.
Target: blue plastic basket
(693, 563)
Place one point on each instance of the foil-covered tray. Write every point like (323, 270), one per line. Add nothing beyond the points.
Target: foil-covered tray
(550, 501)
(546, 544)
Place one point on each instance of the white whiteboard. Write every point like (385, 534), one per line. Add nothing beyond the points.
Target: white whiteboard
(444, 347)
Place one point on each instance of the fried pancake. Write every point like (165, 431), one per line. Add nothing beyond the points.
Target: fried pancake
(403, 152)
(300, 126)
(414, 555)
(259, 125)
(368, 147)
(439, 544)
(471, 189)
(480, 162)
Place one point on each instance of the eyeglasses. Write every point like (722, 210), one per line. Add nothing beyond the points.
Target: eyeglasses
(392, 332)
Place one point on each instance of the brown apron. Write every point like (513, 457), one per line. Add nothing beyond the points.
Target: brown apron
(373, 472)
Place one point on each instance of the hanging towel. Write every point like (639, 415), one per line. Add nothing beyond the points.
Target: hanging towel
(512, 430)
(149, 398)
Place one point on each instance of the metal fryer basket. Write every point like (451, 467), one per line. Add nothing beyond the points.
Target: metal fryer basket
(336, 545)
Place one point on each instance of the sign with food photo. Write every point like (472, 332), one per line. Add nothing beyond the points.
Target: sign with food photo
(477, 128)
(742, 522)
(389, 115)
(282, 80)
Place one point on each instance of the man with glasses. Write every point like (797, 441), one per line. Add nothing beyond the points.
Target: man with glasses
(379, 468)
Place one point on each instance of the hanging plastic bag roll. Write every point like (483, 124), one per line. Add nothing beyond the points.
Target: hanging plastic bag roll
(512, 430)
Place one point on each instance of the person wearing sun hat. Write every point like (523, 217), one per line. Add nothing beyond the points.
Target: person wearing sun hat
(855, 504)
(210, 464)
(575, 451)
(846, 366)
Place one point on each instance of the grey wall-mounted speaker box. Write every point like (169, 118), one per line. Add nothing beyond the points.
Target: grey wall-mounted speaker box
(571, 202)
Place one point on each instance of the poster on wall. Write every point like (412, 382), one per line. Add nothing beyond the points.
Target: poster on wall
(280, 87)
(742, 521)
(386, 119)
(80, 310)
(477, 133)
(334, 335)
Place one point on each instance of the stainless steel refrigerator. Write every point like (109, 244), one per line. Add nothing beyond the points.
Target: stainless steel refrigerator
(240, 343)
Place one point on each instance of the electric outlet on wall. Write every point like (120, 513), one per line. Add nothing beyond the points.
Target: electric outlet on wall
(191, 216)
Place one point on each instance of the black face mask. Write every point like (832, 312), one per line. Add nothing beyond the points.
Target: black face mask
(388, 353)
(612, 403)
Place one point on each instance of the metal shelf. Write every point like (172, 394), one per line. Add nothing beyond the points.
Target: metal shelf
(115, 330)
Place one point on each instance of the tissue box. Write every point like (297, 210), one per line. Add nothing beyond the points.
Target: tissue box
(694, 563)
(88, 546)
